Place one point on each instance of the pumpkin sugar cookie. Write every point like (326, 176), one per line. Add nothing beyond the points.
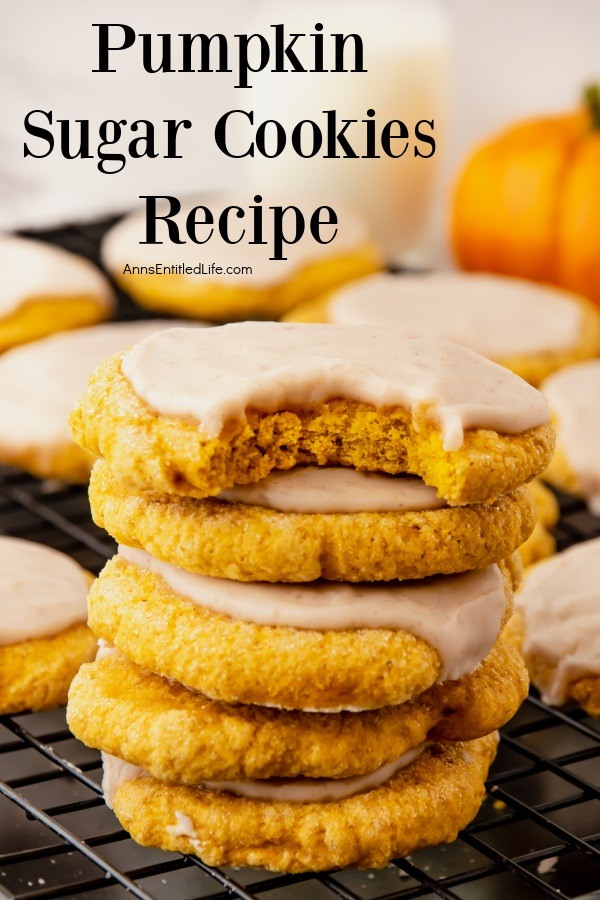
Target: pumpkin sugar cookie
(541, 543)
(557, 626)
(47, 289)
(180, 736)
(43, 635)
(308, 523)
(39, 385)
(530, 328)
(323, 646)
(250, 284)
(573, 397)
(290, 394)
(424, 798)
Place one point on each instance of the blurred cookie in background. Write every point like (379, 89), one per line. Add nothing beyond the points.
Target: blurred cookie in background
(556, 625)
(530, 328)
(40, 384)
(240, 278)
(43, 635)
(45, 289)
(541, 543)
(574, 397)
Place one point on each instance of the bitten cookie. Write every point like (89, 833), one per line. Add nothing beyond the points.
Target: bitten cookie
(249, 284)
(39, 385)
(43, 636)
(181, 736)
(323, 646)
(47, 289)
(573, 395)
(309, 523)
(285, 395)
(427, 802)
(557, 626)
(530, 328)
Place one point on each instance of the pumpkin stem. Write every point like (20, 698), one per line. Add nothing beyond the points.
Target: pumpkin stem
(591, 96)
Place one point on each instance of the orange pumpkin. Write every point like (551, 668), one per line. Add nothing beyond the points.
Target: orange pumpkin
(527, 202)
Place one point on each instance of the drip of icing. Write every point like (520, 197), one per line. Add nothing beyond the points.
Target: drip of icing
(34, 269)
(560, 602)
(316, 790)
(282, 790)
(496, 316)
(41, 382)
(122, 245)
(312, 489)
(215, 375)
(573, 396)
(43, 591)
(116, 772)
(459, 615)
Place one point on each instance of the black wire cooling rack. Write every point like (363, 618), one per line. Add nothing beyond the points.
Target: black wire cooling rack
(537, 833)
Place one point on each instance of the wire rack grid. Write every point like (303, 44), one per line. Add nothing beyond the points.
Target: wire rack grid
(536, 835)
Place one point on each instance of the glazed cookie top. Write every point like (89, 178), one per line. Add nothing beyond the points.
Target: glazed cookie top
(459, 615)
(573, 396)
(314, 489)
(40, 382)
(215, 375)
(122, 245)
(560, 604)
(496, 316)
(36, 271)
(43, 591)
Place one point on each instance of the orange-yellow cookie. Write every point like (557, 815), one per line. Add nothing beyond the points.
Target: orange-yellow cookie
(47, 289)
(334, 646)
(240, 535)
(245, 282)
(196, 412)
(182, 736)
(43, 635)
(426, 803)
(541, 543)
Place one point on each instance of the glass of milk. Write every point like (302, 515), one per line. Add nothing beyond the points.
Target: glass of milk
(407, 55)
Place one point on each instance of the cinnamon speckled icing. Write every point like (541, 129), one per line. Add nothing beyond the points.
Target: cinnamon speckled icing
(496, 316)
(214, 375)
(283, 790)
(459, 615)
(310, 489)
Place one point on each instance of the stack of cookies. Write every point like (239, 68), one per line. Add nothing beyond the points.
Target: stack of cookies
(303, 663)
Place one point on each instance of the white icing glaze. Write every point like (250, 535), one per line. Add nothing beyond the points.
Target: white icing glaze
(122, 245)
(43, 591)
(282, 790)
(215, 375)
(459, 615)
(573, 396)
(560, 601)
(312, 489)
(496, 316)
(116, 772)
(41, 382)
(34, 269)
(316, 790)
